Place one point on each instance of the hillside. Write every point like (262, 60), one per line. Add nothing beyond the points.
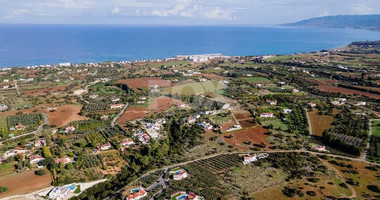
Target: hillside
(369, 22)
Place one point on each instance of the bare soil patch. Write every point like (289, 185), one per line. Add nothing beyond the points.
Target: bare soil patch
(145, 82)
(255, 135)
(211, 76)
(319, 123)
(25, 182)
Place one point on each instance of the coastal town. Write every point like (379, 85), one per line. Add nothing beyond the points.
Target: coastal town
(194, 127)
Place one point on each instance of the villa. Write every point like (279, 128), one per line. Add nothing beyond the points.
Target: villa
(35, 159)
(318, 148)
(143, 137)
(361, 103)
(70, 129)
(136, 194)
(3, 107)
(272, 103)
(117, 106)
(104, 147)
(266, 115)
(20, 127)
(311, 104)
(234, 128)
(180, 195)
(287, 111)
(126, 143)
(39, 143)
(178, 174)
(254, 157)
(63, 160)
(206, 126)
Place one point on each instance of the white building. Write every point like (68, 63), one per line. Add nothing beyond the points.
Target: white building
(266, 115)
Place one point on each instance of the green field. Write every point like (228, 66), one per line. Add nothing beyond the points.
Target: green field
(276, 124)
(146, 105)
(194, 88)
(376, 127)
(221, 119)
(3, 122)
(280, 58)
(6, 169)
(256, 79)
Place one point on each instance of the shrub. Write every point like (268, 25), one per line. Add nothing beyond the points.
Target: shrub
(311, 193)
(374, 188)
(3, 189)
(40, 172)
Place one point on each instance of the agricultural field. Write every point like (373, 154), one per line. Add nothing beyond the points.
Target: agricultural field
(65, 115)
(3, 122)
(194, 88)
(276, 124)
(25, 182)
(247, 138)
(376, 127)
(13, 101)
(220, 164)
(211, 76)
(256, 79)
(6, 168)
(144, 82)
(221, 118)
(319, 123)
(112, 162)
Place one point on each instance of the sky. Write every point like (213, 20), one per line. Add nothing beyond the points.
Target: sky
(178, 12)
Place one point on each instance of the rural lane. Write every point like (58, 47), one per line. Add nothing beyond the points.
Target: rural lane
(119, 114)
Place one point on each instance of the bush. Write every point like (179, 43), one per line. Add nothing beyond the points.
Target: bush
(311, 193)
(374, 188)
(3, 189)
(40, 172)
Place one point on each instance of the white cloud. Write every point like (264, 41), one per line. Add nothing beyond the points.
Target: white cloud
(220, 14)
(362, 9)
(115, 10)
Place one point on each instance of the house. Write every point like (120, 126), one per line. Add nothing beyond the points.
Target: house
(266, 115)
(361, 103)
(135, 194)
(272, 103)
(3, 107)
(281, 83)
(61, 192)
(319, 148)
(117, 106)
(13, 152)
(39, 143)
(104, 147)
(287, 111)
(70, 129)
(116, 99)
(178, 174)
(35, 159)
(143, 137)
(205, 125)
(311, 104)
(63, 160)
(254, 157)
(180, 195)
(126, 143)
(51, 109)
(93, 96)
(295, 90)
(234, 128)
(104, 117)
(20, 127)
(182, 105)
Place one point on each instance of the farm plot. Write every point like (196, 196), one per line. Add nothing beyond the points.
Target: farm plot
(242, 139)
(211, 76)
(376, 128)
(245, 119)
(65, 115)
(277, 124)
(13, 101)
(221, 163)
(97, 108)
(45, 91)
(319, 123)
(257, 80)
(112, 162)
(25, 182)
(194, 88)
(144, 82)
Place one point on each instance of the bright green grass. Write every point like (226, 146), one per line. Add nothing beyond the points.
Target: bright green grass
(276, 124)
(194, 88)
(376, 128)
(219, 119)
(256, 79)
(6, 168)
(279, 58)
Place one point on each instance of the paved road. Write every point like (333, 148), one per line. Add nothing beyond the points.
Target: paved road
(39, 130)
(113, 123)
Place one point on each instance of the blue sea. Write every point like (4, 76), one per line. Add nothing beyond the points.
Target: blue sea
(24, 45)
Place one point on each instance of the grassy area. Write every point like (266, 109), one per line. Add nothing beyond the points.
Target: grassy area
(277, 124)
(256, 79)
(3, 122)
(146, 105)
(101, 89)
(376, 127)
(6, 169)
(195, 88)
(221, 119)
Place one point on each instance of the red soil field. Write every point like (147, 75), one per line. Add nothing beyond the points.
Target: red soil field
(319, 123)
(256, 135)
(211, 76)
(159, 104)
(25, 182)
(327, 88)
(247, 123)
(145, 82)
(44, 91)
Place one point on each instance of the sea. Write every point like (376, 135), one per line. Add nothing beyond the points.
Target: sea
(27, 45)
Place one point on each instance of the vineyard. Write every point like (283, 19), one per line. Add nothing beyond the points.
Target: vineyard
(96, 108)
(84, 126)
(95, 138)
(221, 163)
(12, 101)
(89, 161)
(27, 119)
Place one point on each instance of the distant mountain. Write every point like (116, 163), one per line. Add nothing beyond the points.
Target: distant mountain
(369, 22)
